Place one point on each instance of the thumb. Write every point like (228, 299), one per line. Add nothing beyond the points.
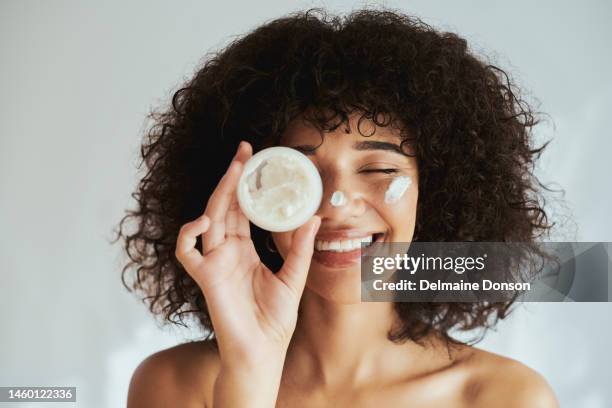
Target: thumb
(295, 269)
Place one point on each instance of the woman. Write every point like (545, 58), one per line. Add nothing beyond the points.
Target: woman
(289, 327)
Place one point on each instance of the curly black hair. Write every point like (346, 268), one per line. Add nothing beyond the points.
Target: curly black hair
(469, 128)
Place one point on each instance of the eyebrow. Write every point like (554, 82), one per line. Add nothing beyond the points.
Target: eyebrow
(375, 145)
(364, 145)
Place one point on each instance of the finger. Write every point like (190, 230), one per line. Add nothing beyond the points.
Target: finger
(243, 227)
(219, 204)
(236, 222)
(245, 151)
(295, 269)
(222, 198)
(186, 251)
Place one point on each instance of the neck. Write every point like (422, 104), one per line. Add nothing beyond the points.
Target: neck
(347, 343)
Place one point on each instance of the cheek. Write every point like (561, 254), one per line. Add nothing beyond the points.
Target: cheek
(397, 188)
(394, 194)
(396, 202)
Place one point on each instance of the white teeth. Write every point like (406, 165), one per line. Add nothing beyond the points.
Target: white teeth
(342, 245)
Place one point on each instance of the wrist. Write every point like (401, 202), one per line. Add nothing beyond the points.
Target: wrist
(258, 362)
(252, 356)
(248, 385)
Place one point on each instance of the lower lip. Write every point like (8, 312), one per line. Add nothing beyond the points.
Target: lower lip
(337, 259)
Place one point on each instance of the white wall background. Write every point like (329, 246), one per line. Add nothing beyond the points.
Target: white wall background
(78, 77)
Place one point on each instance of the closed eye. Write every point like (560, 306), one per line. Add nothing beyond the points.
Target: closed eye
(385, 171)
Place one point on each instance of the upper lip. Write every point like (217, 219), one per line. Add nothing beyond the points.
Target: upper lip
(339, 234)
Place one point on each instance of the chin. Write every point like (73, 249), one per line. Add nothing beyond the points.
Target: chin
(340, 285)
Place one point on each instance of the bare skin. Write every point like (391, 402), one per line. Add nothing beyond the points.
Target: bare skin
(335, 351)
(184, 376)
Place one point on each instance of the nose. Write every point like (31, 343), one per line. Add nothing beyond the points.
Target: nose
(347, 201)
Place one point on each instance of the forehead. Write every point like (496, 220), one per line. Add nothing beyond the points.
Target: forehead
(302, 132)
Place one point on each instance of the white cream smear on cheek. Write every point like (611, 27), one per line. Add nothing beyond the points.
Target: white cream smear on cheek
(397, 188)
(338, 199)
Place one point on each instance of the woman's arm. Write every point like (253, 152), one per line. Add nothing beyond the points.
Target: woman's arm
(190, 375)
(253, 310)
(249, 387)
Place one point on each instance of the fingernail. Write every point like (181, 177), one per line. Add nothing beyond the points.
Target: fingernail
(238, 149)
(313, 227)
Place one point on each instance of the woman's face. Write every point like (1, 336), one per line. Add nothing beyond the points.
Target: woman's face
(360, 171)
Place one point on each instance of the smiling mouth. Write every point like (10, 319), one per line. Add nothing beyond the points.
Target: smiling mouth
(347, 245)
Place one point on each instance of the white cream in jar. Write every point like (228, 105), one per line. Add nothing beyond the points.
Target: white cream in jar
(279, 189)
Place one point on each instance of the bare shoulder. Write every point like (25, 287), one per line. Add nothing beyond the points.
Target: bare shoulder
(503, 382)
(182, 375)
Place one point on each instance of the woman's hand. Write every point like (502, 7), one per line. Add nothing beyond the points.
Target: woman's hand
(253, 310)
